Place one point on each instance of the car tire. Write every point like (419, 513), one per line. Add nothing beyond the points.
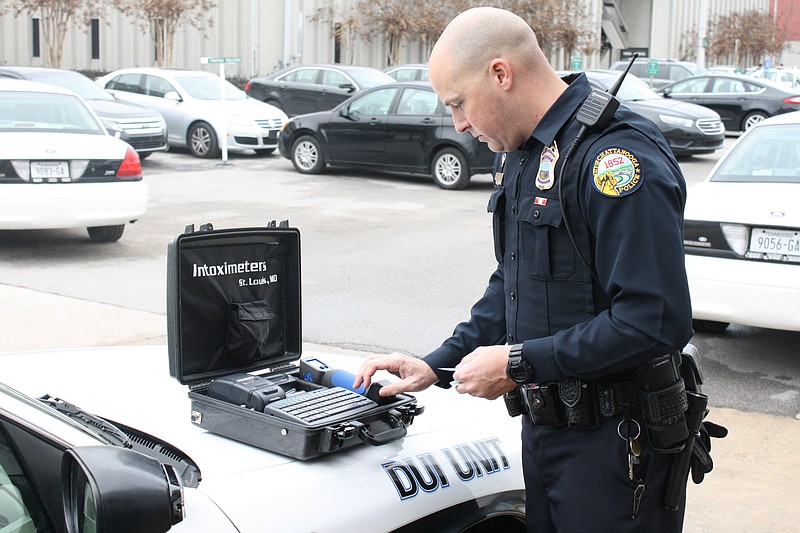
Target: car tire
(449, 169)
(264, 151)
(752, 119)
(307, 156)
(709, 326)
(106, 233)
(202, 141)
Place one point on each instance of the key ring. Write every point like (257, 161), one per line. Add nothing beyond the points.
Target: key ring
(638, 429)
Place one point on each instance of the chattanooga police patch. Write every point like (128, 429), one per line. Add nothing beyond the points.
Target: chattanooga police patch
(616, 172)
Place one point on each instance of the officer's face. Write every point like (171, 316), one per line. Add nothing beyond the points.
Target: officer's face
(475, 102)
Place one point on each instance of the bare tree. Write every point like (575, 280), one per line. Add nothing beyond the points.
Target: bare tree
(54, 19)
(745, 38)
(163, 17)
(345, 25)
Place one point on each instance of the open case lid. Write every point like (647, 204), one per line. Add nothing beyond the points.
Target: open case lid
(233, 301)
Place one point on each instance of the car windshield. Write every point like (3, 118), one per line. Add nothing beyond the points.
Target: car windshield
(367, 78)
(766, 154)
(81, 85)
(37, 111)
(207, 88)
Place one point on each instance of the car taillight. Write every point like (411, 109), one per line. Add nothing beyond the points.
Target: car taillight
(131, 167)
(247, 87)
(792, 100)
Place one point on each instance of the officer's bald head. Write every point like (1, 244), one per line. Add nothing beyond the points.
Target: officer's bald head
(477, 36)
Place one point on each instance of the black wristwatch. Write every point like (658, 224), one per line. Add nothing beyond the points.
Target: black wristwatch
(519, 370)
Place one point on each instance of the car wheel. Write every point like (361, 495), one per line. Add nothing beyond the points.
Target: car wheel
(264, 151)
(203, 140)
(709, 326)
(752, 119)
(307, 155)
(449, 169)
(106, 233)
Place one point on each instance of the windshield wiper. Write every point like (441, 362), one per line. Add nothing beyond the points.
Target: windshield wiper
(101, 427)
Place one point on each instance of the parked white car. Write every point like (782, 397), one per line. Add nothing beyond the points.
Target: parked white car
(742, 232)
(457, 469)
(201, 112)
(59, 167)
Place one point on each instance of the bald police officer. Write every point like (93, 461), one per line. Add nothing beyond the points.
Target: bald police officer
(564, 337)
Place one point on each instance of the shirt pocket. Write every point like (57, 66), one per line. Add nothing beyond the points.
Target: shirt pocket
(548, 252)
(496, 208)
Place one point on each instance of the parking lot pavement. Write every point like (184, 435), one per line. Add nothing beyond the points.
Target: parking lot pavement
(755, 479)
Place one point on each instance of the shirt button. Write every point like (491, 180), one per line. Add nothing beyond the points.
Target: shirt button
(513, 256)
(536, 214)
(510, 338)
(513, 209)
(513, 296)
(521, 162)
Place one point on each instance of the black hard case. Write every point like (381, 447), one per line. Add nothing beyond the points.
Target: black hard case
(234, 305)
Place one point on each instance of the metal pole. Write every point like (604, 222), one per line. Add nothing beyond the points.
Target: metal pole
(224, 132)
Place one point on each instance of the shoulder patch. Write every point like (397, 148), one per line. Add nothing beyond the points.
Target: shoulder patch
(616, 172)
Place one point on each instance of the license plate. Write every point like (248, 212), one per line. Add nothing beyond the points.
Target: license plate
(775, 241)
(49, 169)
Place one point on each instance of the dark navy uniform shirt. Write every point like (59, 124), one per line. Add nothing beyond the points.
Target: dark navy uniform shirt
(623, 195)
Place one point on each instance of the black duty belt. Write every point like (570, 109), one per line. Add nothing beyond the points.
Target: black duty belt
(580, 404)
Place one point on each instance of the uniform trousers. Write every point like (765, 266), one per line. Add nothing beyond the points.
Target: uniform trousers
(576, 481)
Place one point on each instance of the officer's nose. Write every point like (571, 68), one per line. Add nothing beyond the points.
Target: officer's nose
(460, 121)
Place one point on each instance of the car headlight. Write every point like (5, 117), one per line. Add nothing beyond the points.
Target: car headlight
(112, 126)
(676, 121)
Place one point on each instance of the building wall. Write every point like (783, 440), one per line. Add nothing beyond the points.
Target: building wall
(267, 34)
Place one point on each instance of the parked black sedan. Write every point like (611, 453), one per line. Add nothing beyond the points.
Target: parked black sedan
(689, 129)
(402, 127)
(312, 88)
(740, 100)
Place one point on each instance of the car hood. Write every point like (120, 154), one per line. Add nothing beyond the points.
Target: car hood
(771, 204)
(61, 145)
(132, 386)
(120, 110)
(249, 108)
(673, 107)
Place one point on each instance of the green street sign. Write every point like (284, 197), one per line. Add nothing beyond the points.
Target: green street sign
(216, 60)
(577, 63)
(652, 67)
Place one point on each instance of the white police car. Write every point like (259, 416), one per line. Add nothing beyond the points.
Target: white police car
(458, 468)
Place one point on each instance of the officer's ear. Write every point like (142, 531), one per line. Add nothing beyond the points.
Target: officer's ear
(500, 73)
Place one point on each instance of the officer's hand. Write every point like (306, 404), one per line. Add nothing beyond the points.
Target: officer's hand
(483, 373)
(415, 375)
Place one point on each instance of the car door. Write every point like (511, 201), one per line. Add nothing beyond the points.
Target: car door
(300, 92)
(335, 88)
(412, 129)
(730, 98)
(154, 95)
(357, 133)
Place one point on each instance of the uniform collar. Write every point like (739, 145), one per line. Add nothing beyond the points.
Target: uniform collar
(560, 112)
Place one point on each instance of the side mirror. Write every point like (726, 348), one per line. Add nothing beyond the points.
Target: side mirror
(173, 96)
(349, 86)
(109, 489)
(666, 92)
